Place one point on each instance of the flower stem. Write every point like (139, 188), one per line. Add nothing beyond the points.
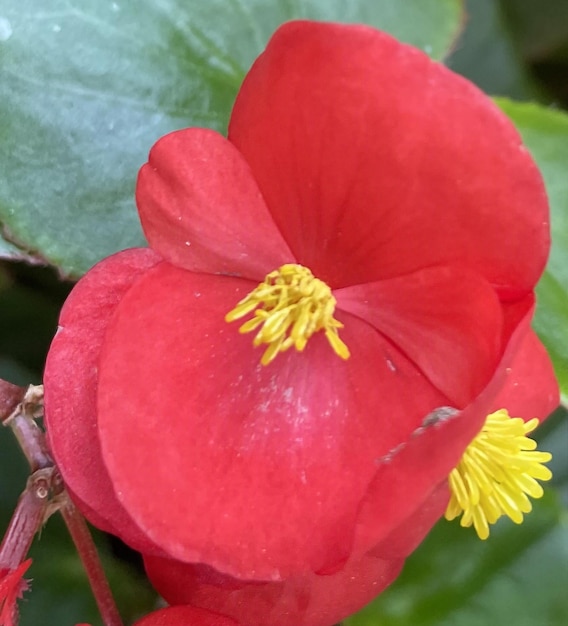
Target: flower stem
(10, 396)
(85, 545)
(26, 521)
(18, 407)
(29, 435)
(45, 494)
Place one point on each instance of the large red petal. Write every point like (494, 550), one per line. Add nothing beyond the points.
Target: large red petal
(404, 539)
(201, 208)
(376, 161)
(70, 383)
(260, 469)
(306, 600)
(185, 616)
(448, 321)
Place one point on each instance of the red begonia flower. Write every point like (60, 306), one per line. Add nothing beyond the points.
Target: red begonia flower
(12, 587)
(185, 616)
(403, 188)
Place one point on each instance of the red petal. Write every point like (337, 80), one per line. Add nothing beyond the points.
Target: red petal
(447, 321)
(376, 161)
(185, 616)
(308, 600)
(261, 469)
(201, 208)
(407, 537)
(70, 383)
(530, 388)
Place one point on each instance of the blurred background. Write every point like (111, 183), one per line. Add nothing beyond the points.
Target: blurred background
(512, 48)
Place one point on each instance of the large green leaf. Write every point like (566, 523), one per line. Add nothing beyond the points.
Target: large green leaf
(11, 252)
(518, 576)
(89, 85)
(7, 250)
(545, 132)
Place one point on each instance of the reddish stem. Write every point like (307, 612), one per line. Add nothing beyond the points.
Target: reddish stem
(10, 396)
(18, 407)
(27, 520)
(44, 494)
(31, 440)
(89, 556)
(22, 422)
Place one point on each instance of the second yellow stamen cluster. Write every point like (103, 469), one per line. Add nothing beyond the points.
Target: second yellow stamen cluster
(497, 473)
(289, 307)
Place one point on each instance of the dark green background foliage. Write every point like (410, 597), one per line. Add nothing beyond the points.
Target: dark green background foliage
(87, 86)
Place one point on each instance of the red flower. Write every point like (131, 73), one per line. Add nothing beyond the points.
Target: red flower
(424, 221)
(12, 587)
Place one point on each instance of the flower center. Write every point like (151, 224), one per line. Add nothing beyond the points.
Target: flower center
(289, 307)
(496, 473)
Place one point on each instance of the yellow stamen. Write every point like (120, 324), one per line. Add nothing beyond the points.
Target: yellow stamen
(496, 473)
(289, 306)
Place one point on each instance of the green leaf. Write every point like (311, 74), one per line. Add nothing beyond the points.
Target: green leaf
(7, 250)
(553, 436)
(518, 576)
(89, 85)
(11, 252)
(545, 132)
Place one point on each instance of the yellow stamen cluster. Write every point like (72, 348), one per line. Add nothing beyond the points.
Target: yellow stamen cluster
(496, 474)
(289, 307)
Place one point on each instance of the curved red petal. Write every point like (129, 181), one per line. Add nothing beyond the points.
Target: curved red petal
(262, 468)
(530, 388)
(201, 208)
(70, 387)
(448, 321)
(376, 161)
(185, 616)
(407, 473)
(404, 539)
(308, 600)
